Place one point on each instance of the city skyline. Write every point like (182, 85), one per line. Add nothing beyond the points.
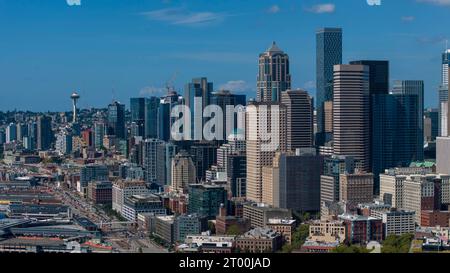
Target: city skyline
(119, 52)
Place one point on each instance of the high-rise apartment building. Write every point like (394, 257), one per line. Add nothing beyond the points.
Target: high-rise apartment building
(274, 76)
(150, 148)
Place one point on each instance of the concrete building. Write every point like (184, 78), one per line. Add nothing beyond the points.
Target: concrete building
(327, 231)
(334, 166)
(164, 228)
(356, 188)
(285, 227)
(361, 229)
(415, 192)
(135, 204)
(150, 160)
(100, 192)
(293, 180)
(299, 118)
(183, 172)
(123, 189)
(399, 222)
(351, 128)
(443, 155)
(259, 214)
(259, 240)
(190, 224)
(265, 135)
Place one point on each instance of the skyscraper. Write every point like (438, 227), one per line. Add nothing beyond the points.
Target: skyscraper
(414, 88)
(396, 139)
(274, 75)
(223, 99)
(443, 94)
(44, 133)
(299, 118)
(183, 172)
(165, 121)
(201, 89)
(99, 133)
(151, 117)
(293, 180)
(445, 65)
(351, 113)
(378, 75)
(137, 107)
(265, 135)
(328, 54)
(150, 148)
(11, 133)
(116, 120)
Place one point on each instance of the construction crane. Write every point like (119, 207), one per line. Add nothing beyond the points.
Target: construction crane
(170, 83)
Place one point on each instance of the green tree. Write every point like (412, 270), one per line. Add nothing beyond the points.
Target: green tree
(233, 230)
(212, 227)
(299, 237)
(350, 249)
(397, 244)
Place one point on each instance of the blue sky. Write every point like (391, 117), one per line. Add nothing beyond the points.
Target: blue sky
(126, 48)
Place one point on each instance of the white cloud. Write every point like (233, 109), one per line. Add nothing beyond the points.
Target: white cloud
(182, 16)
(73, 2)
(322, 8)
(274, 9)
(236, 86)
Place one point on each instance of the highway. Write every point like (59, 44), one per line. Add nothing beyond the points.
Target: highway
(124, 241)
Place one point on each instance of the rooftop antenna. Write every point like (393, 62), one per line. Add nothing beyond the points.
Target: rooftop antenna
(113, 94)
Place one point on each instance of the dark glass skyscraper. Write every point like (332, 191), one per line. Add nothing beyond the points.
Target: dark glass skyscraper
(328, 54)
(202, 89)
(223, 99)
(151, 117)
(44, 133)
(414, 88)
(137, 106)
(378, 85)
(165, 121)
(378, 75)
(397, 140)
(116, 120)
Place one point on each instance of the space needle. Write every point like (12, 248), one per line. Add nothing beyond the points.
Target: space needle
(75, 97)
